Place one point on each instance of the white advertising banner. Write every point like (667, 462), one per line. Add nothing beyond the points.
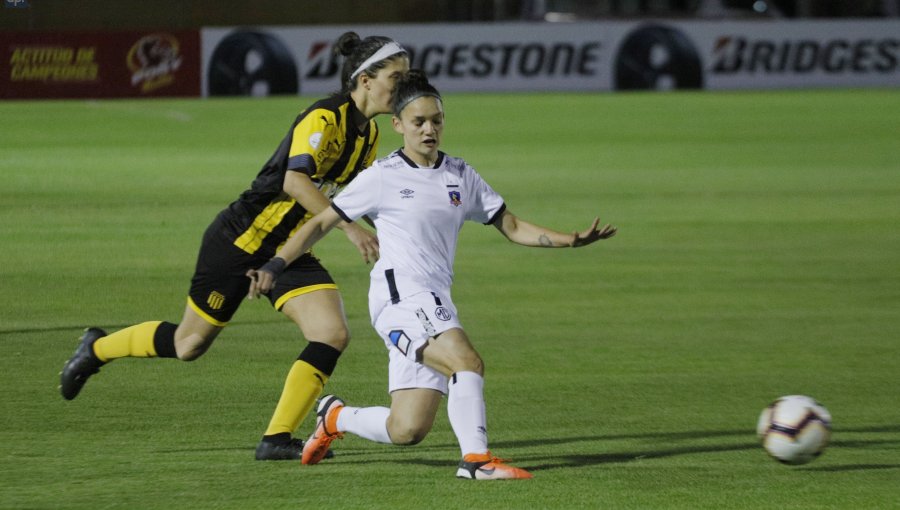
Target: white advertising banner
(595, 56)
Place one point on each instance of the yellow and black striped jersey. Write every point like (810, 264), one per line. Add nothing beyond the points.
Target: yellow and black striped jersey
(325, 144)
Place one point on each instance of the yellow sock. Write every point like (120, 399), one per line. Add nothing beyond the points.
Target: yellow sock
(302, 387)
(134, 341)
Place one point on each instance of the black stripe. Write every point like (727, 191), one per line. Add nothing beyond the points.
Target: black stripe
(437, 300)
(303, 163)
(392, 286)
(437, 163)
(404, 157)
(351, 133)
(496, 215)
(341, 213)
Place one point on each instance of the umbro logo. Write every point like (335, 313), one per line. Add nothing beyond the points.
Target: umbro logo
(407, 193)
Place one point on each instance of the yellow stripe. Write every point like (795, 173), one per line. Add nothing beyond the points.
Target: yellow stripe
(308, 216)
(265, 222)
(205, 315)
(299, 292)
(322, 122)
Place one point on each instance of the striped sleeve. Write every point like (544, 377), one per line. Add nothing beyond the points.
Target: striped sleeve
(311, 140)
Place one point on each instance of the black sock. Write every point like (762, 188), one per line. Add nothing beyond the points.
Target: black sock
(322, 357)
(164, 340)
(281, 438)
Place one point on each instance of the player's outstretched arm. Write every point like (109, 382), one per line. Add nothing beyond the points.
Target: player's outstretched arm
(301, 188)
(263, 279)
(525, 233)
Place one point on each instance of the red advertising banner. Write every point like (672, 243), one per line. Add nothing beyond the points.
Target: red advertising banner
(99, 65)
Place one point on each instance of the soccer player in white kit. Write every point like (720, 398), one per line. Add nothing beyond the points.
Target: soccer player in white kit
(418, 199)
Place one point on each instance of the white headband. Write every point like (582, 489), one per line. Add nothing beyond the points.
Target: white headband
(413, 97)
(388, 50)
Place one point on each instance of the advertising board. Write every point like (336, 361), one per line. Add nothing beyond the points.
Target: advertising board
(583, 56)
(94, 65)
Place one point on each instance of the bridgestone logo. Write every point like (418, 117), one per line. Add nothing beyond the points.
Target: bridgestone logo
(735, 55)
(482, 60)
(489, 60)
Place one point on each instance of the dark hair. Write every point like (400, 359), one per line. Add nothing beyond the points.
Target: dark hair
(410, 87)
(356, 51)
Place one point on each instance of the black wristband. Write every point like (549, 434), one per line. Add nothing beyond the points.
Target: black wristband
(275, 266)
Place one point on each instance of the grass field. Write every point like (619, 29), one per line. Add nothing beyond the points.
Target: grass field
(758, 256)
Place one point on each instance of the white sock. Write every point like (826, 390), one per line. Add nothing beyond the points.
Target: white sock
(366, 422)
(465, 408)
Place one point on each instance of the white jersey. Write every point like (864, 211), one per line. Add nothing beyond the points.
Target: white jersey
(418, 213)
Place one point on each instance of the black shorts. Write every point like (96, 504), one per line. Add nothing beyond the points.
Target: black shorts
(220, 281)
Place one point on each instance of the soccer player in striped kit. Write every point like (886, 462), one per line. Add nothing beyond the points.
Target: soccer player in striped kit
(418, 198)
(328, 144)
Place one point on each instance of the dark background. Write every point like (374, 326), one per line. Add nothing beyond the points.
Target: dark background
(80, 15)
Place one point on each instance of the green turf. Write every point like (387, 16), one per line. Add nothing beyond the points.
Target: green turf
(758, 255)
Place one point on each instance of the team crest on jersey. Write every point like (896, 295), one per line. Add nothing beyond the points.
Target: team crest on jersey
(455, 198)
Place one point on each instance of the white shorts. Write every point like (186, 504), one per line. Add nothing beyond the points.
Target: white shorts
(405, 328)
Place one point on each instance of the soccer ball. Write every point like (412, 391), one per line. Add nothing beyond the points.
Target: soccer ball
(794, 429)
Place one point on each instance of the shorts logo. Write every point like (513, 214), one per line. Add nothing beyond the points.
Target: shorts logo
(426, 322)
(400, 340)
(442, 313)
(455, 198)
(215, 300)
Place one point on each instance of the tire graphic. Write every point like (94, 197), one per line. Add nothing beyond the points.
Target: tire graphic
(658, 58)
(252, 64)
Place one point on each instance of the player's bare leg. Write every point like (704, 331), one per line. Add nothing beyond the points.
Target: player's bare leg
(407, 422)
(320, 316)
(452, 353)
(186, 341)
(412, 414)
(194, 335)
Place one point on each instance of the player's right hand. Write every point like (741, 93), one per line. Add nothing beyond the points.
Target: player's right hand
(262, 280)
(260, 283)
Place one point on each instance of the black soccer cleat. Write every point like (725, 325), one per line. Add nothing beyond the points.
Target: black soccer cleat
(290, 450)
(81, 365)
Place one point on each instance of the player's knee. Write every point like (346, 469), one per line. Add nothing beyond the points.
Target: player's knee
(467, 362)
(191, 347)
(338, 337)
(407, 430)
(477, 364)
(407, 435)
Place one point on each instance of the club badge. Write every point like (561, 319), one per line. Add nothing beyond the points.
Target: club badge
(455, 198)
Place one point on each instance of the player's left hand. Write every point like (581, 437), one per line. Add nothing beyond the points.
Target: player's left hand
(593, 234)
(364, 240)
